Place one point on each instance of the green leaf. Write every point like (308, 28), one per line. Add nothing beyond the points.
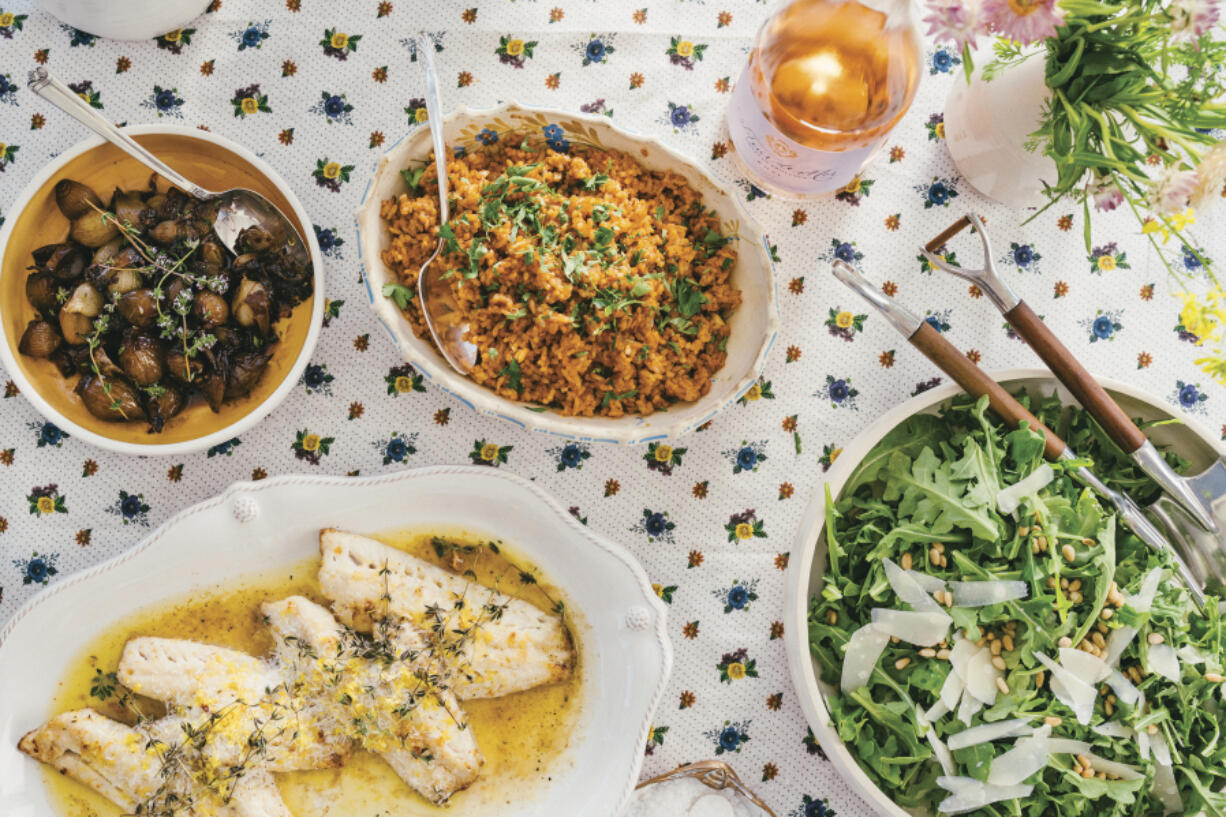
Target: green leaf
(399, 293)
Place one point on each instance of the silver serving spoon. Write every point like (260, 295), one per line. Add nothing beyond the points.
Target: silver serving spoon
(442, 314)
(237, 209)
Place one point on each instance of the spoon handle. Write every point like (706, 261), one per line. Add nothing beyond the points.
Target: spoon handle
(64, 98)
(434, 116)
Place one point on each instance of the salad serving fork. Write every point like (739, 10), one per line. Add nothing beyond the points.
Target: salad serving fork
(1195, 566)
(1191, 508)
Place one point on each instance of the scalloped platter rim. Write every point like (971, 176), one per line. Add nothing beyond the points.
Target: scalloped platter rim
(254, 527)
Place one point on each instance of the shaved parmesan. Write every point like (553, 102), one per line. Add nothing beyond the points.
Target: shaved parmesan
(922, 628)
(961, 655)
(1009, 498)
(1191, 655)
(1167, 789)
(1164, 660)
(864, 648)
(951, 690)
(1113, 729)
(989, 732)
(1027, 756)
(1067, 746)
(1162, 752)
(1070, 690)
(908, 589)
(1117, 642)
(969, 794)
(937, 711)
(1121, 770)
(1144, 744)
(981, 676)
(1124, 689)
(967, 709)
(939, 750)
(980, 594)
(931, 584)
(1089, 669)
(1144, 599)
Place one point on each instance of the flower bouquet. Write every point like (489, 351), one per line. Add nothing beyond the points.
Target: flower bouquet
(1131, 115)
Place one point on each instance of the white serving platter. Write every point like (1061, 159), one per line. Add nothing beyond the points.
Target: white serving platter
(256, 527)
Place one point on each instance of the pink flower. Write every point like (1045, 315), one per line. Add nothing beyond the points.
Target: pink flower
(1192, 19)
(954, 20)
(1023, 20)
(1171, 191)
(1105, 194)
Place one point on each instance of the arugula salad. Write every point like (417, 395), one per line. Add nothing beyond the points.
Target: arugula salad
(1001, 643)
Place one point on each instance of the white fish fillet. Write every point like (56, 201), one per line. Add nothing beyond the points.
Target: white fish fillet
(124, 765)
(427, 742)
(244, 696)
(524, 648)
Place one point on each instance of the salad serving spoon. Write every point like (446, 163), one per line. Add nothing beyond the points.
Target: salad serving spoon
(1195, 506)
(1194, 564)
(237, 208)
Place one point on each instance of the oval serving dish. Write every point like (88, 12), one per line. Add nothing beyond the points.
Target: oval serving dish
(753, 325)
(808, 562)
(213, 162)
(273, 524)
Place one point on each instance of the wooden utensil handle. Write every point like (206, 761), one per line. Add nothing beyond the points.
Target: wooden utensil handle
(1073, 375)
(976, 382)
(948, 233)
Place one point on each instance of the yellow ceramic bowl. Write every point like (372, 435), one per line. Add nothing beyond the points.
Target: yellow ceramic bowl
(212, 162)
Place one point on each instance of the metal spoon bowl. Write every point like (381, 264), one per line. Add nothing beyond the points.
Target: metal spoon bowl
(237, 209)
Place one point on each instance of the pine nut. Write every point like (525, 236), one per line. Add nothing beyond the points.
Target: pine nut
(928, 652)
(1152, 729)
(994, 647)
(934, 557)
(1064, 641)
(1108, 707)
(1075, 597)
(906, 561)
(1101, 775)
(1098, 639)
(1214, 677)
(894, 639)
(939, 546)
(1002, 686)
(1087, 772)
(1007, 642)
(1039, 678)
(1084, 761)
(944, 561)
(1041, 541)
(832, 616)
(943, 654)
(1034, 547)
(1088, 542)
(901, 663)
(1064, 584)
(1156, 638)
(1023, 531)
(1075, 584)
(1070, 553)
(1052, 720)
(998, 662)
(1107, 613)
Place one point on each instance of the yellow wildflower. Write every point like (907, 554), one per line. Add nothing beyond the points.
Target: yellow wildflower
(489, 452)
(173, 36)
(736, 670)
(664, 453)
(940, 130)
(1215, 367)
(332, 170)
(6, 19)
(834, 455)
(420, 115)
(744, 531)
(339, 40)
(249, 105)
(754, 393)
(658, 588)
(685, 48)
(46, 504)
(515, 47)
(310, 442)
(1106, 263)
(853, 186)
(844, 319)
(404, 384)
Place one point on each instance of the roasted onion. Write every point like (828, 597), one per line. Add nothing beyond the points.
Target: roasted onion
(40, 339)
(110, 398)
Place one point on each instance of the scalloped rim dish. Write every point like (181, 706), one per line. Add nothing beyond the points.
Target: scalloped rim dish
(754, 325)
(807, 564)
(258, 526)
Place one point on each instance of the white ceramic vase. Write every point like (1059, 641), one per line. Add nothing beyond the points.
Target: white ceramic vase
(986, 125)
(125, 19)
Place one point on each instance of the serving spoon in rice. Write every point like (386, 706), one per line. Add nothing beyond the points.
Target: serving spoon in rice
(439, 308)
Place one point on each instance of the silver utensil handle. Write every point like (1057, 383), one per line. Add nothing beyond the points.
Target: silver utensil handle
(434, 116)
(64, 98)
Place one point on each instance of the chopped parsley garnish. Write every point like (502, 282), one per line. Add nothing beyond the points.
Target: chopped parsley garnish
(595, 182)
(689, 297)
(413, 179)
(609, 396)
(400, 294)
(514, 375)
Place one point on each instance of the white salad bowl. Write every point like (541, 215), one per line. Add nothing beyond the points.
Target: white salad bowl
(808, 560)
(255, 527)
(753, 325)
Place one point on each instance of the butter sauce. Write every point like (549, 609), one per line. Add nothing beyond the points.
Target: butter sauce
(523, 736)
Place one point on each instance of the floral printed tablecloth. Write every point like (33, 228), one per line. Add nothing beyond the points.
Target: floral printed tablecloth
(712, 516)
